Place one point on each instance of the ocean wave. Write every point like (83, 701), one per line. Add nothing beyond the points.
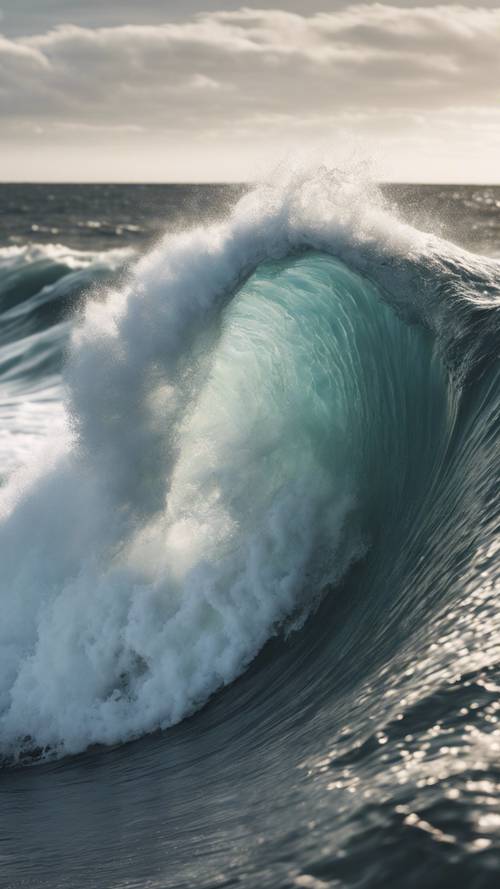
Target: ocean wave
(41, 286)
(260, 406)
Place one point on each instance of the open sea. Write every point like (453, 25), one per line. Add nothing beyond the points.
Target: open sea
(249, 535)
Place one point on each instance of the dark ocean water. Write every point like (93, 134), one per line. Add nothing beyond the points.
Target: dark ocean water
(249, 536)
(99, 217)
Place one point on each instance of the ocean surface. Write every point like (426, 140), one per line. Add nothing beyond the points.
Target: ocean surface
(249, 535)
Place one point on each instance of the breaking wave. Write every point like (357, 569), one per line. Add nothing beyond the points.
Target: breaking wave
(234, 425)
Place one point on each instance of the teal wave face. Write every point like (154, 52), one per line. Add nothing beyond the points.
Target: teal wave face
(319, 375)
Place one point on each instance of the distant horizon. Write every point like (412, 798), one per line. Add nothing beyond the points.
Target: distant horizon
(231, 183)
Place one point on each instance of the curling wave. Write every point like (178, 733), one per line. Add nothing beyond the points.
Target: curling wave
(261, 406)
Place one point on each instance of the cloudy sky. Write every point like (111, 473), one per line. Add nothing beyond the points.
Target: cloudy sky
(202, 91)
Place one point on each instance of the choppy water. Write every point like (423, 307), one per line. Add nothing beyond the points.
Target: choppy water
(249, 536)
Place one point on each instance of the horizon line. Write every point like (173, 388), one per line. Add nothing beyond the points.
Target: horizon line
(230, 183)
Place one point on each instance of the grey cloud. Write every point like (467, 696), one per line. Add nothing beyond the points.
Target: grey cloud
(225, 69)
(24, 17)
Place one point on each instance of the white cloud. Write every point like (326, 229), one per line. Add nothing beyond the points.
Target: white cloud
(362, 67)
(266, 60)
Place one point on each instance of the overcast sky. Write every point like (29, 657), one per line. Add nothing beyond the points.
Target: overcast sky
(201, 91)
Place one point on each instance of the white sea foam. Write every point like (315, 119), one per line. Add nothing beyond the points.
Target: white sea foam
(21, 255)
